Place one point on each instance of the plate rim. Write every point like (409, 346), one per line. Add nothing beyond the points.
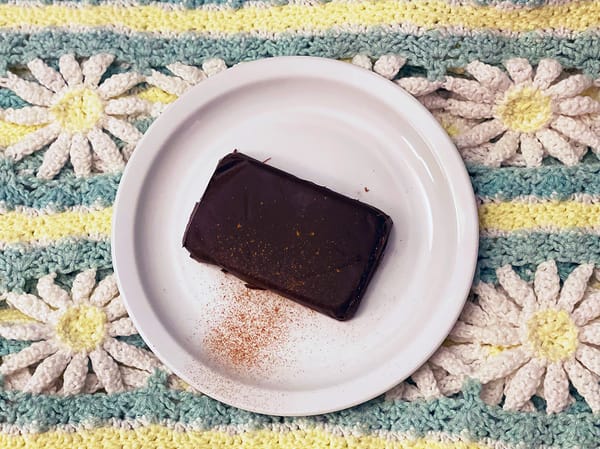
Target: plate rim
(445, 152)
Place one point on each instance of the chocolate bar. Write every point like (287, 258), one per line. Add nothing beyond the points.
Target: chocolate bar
(281, 233)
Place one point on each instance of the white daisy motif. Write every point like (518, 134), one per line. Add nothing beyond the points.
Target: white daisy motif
(534, 339)
(442, 375)
(75, 111)
(71, 332)
(388, 66)
(523, 115)
(184, 77)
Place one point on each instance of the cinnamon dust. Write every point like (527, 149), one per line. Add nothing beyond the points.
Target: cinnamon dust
(251, 326)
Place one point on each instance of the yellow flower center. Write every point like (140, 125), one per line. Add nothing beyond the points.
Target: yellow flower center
(78, 110)
(525, 109)
(82, 328)
(552, 334)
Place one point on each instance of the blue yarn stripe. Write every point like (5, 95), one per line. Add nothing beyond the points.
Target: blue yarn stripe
(453, 416)
(22, 265)
(433, 51)
(558, 182)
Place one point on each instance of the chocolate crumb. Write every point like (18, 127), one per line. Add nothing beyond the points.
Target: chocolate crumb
(366, 189)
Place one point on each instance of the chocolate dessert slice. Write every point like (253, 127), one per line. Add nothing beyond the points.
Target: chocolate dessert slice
(281, 233)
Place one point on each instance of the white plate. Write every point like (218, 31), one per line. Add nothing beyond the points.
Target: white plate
(339, 126)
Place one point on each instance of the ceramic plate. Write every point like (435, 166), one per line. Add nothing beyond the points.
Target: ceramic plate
(339, 126)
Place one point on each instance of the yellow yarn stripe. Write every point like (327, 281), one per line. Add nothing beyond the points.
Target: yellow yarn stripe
(561, 215)
(158, 436)
(11, 133)
(429, 14)
(156, 95)
(13, 316)
(21, 227)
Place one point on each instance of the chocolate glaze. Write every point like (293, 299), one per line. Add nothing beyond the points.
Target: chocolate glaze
(281, 233)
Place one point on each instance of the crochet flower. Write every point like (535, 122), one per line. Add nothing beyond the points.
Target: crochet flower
(528, 339)
(442, 375)
(184, 77)
(74, 112)
(69, 332)
(523, 115)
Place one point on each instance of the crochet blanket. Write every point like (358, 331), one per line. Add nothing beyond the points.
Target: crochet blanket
(513, 83)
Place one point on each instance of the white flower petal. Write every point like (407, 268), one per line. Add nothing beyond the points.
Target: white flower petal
(519, 70)
(17, 380)
(469, 353)
(589, 357)
(578, 106)
(491, 335)
(31, 306)
(588, 310)
(47, 372)
(127, 106)
(480, 133)
(426, 382)
(119, 84)
(519, 290)
(170, 84)
(29, 91)
(575, 286)
(469, 89)
(193, 75)
(106, 150)
(489, 76)
(505, 148)
(569, 87)
(547, 283)
(212, 66)
(33, 142)
(557, 146)
(29, 115)
(25, 331)
(122, 129)
(75, 374)
(121, 327)
(502, 365)
(105, 291)
(496, 304)
(492, 392)
(70, 70)
(363, 61)
(433, 101)
(474, 314)
(590, 333)
(411, 393)
(107, 371)
(81, 155)
(532, 150)
(585, 383)
(51, 293)
(27, 357)
(388, 66)
(447, 359)
(133, 378)
(83, 284)
(523, 385)
(130, 355)
(46, 75)
(556, 388)
(55, 157)
(577, 131)
(450, 385)
(94, 67)
(476, 155)
(469, 109)
(547, 71)
(418, 86)
(115, 309)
